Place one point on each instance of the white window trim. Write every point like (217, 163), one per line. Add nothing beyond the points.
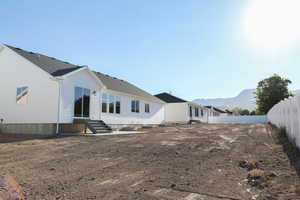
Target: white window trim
(135, 106)
(27, 99)
(115, 98)
(149, 111)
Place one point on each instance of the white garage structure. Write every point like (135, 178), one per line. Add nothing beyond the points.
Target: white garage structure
(178, 110)
(43, 95)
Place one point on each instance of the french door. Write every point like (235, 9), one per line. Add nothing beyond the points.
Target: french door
(82, 102)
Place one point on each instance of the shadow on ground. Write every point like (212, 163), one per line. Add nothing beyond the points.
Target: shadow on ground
(289, 148)
(9, 138)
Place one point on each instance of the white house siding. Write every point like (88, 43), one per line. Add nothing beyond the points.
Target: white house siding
(42, 102)
(180, 113)
(177, 113)
(84, 80)
(126, 117)
(200, 117)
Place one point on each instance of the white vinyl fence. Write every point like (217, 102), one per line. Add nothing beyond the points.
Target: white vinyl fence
(238, 119)
(287, 114)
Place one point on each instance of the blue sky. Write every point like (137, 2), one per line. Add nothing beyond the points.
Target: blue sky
(193, 48)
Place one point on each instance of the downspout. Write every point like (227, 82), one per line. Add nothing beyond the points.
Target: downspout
(59, 81)
(58, 107)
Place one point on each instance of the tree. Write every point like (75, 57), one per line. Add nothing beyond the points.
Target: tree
(270, 91)
(253, 112)
(239, 111)
(236, 111)
(245, 112)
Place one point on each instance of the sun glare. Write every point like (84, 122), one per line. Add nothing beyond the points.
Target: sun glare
(272, 24)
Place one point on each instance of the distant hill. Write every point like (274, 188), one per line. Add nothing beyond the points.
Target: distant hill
(245, 100)
(296, 91)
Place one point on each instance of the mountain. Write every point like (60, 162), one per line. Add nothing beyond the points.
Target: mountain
(245, 100)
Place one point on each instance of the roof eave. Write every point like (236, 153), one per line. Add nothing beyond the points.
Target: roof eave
(89, 71)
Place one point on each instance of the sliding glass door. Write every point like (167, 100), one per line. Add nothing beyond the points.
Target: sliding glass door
(82, 102)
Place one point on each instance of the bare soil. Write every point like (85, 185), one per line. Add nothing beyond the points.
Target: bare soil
(187, 162)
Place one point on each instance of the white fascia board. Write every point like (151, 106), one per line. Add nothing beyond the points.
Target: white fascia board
(101, 85)
(1, 48)
(74, 72)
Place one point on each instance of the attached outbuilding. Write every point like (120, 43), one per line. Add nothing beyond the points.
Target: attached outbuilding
(178, 110)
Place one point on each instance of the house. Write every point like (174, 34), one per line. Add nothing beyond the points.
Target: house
(44, 95)
(178, 110)
(228, 112)
(216, 112)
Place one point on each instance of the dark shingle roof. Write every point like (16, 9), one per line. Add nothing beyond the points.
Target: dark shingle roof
(168, 98)
(51, 65)
(119, 85)
(216, 109)
(57, 67)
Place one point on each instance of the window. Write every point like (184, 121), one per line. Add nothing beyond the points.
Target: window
(86, 102)
(147, 108)
(191, 111)
(111, 104)
(135, 106)
(132, 106)
(196, 112)
(118, 105)
(82, 102)
(104, 103)
(22, 94)
(202, 114)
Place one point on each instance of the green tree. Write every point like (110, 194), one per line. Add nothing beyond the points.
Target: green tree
(270, 91)
(236, 111)
(253, 112)
(239, 111)
(245, 112)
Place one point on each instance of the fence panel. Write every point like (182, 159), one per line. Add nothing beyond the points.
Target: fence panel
(287, 114)
(238, 119)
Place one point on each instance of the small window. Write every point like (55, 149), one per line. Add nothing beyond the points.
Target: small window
(135, 106)
(104, 103)
(196, 112)
(111, 104)
(132, 106)
(147, 108)
(22, 95)
(118, 105)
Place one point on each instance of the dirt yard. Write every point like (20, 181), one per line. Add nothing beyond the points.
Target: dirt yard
(191, 162)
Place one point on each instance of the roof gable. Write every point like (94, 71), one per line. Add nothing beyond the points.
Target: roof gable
(168, 98)
(216, 109)
(51, 65)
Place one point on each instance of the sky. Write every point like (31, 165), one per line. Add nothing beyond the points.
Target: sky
(193, 48)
